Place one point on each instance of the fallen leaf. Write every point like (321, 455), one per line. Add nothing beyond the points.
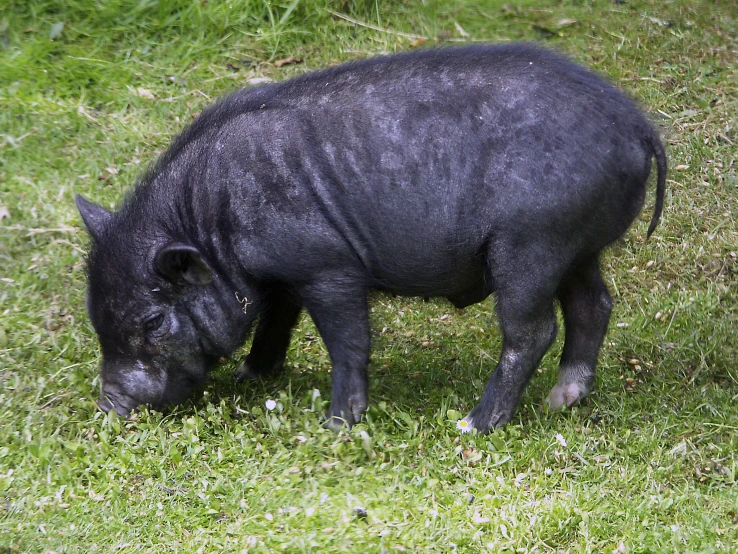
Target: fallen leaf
(145, 93)
(287, 61)
(417, 42)
(56, 30)
(686, 113)
(660, 22)
(260, 80)
(4, 213)
(566, 22)
(461, 31)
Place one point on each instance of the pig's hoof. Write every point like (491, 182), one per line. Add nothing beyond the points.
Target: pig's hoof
(345, 417)
(358, 403)
(245, 372)
(565, 396)
(336, 424)
(482, 422)
(252, 371)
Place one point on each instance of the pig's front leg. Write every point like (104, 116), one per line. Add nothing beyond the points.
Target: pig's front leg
(340, 312)
(271, 337)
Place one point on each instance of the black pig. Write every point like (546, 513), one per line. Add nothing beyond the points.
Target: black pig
(448, 172)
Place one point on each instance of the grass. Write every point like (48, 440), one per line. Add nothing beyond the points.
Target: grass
(93, 91)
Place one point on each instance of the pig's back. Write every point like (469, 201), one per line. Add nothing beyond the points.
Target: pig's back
(417, 162)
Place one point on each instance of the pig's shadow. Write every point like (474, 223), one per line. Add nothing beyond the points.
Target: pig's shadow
(441, 359)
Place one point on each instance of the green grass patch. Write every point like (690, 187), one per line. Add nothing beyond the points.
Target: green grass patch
(90, 93)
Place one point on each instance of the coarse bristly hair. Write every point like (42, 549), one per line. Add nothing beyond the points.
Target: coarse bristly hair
(452, 172)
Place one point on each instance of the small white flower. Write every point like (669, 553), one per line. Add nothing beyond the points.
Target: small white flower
(464, 426)
(479, 519)
(270, 404)
(548, 471)
(269, 517)
(309, 512)
(561, 439)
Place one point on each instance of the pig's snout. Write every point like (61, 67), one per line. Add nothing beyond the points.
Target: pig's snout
(126, 386)
(115, 400)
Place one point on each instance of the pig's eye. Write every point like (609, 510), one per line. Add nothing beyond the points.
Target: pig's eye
(154, 324)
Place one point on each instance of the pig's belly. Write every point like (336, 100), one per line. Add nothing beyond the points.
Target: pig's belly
(461, 281)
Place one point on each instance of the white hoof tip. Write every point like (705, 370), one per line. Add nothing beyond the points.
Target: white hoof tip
(564, 396)
(245, 373)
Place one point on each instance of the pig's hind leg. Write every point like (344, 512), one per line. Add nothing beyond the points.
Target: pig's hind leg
(271, 337)
(526, 290)
(586, 305)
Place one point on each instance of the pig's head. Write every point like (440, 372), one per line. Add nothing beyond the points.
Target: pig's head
(162, 315)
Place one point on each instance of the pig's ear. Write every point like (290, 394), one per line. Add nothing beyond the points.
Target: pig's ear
(96, 217)
(180, 262)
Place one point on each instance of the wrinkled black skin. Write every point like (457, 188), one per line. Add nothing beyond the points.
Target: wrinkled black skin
(448, 172)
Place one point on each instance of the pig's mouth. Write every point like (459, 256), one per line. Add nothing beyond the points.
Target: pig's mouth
(122, 404)
(175, 392)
